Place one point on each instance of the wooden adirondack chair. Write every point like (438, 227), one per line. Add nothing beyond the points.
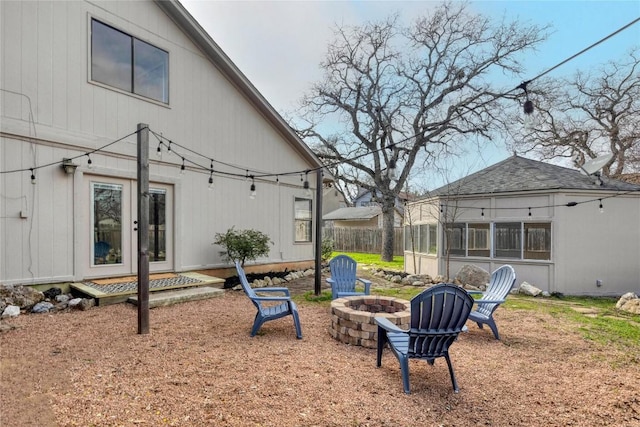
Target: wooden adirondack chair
(500, 284)
(266, 311)
(343, 278)
(438, 315)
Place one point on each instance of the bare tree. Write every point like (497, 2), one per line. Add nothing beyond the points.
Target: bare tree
(393, 97)
(587, 115)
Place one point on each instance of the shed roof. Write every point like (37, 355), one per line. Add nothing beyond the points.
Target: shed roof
(517, 174)
(353, 214)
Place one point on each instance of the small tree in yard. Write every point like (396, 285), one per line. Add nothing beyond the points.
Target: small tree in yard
(242, 245)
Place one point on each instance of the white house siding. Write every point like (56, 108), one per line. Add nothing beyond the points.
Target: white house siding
(51, 110)
(593, 245)
(586, 245)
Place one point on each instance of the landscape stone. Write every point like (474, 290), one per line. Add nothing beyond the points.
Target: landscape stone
(24, 297)
(528, 289)
(42, 307)
(11, 311)
(624, 298)
(473, 275)
(631, 306)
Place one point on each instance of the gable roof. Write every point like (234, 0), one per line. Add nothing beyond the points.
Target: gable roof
(517, 174)
(188, 24)
(353, 214)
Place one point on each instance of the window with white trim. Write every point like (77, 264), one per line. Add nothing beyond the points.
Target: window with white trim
(303, 220)
(127, 63)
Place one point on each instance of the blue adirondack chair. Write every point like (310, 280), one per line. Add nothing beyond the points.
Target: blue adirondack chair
(500, 284)
(344, 277)
(438, 315)
(269, 307)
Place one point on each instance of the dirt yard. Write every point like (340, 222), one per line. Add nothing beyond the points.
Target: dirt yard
(199, 367)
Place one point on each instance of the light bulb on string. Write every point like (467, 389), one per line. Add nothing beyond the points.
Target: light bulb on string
(183, 169)
(89, 161)
(169, 147)
(601, 207)
(391, 170)
(159, 150)
(307, 190)
(277, 180)
(482, 213)
(529, 211)
(211, 185)
(33, 177)
(252, 189)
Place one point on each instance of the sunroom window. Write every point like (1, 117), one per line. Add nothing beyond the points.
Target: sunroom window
(127, 63)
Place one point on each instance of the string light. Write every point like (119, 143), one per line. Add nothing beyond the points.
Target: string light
(307, 190)
(211, 185)
(601, 207)
(159, 150)
(182, 168)
(529, 211)
(169, 147)
(33, 177)
(252, 189)
(89, 162)
(482, 213)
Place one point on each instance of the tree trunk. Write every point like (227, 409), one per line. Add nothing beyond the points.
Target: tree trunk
(387, 231)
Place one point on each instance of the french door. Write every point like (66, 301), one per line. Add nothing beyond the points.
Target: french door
(113, 239)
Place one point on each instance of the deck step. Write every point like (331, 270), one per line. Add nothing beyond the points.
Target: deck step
(162, 298)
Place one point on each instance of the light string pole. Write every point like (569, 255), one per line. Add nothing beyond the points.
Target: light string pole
(142, 226)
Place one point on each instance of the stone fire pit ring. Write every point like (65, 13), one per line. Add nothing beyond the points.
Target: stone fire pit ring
(352, 318)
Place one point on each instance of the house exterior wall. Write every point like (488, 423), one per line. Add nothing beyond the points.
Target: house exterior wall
(51, 110)
(586, 245)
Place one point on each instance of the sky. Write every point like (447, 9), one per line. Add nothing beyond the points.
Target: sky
(279, 45)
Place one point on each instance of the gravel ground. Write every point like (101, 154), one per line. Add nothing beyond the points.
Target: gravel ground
(199, 367)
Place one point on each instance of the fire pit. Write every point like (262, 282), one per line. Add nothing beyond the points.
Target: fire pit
(352, 318)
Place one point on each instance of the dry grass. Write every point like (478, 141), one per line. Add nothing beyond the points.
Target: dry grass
(198, 366)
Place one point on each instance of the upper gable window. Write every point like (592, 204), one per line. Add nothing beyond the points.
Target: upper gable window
(127, 63)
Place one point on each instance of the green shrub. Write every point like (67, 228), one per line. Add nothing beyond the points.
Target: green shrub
(242, 245)
(327, 248)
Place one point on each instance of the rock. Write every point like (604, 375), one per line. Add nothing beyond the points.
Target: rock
(396, 279)
(624, 298)
(473, 275)
(276, 281)
(86, 304)
(42, 307)
(439, 279)
(309, 272)
(24, 297)
(417, 283)
(631, 306)
(11, 311)
(75, 302)
(51, 293)
(546, 294)
(528, 289)
(629, 302)
(62, 298)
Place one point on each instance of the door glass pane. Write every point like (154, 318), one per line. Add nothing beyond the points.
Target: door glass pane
(107, 223)
(157, 225)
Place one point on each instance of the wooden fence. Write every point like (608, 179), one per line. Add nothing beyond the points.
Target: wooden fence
(365, 240)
